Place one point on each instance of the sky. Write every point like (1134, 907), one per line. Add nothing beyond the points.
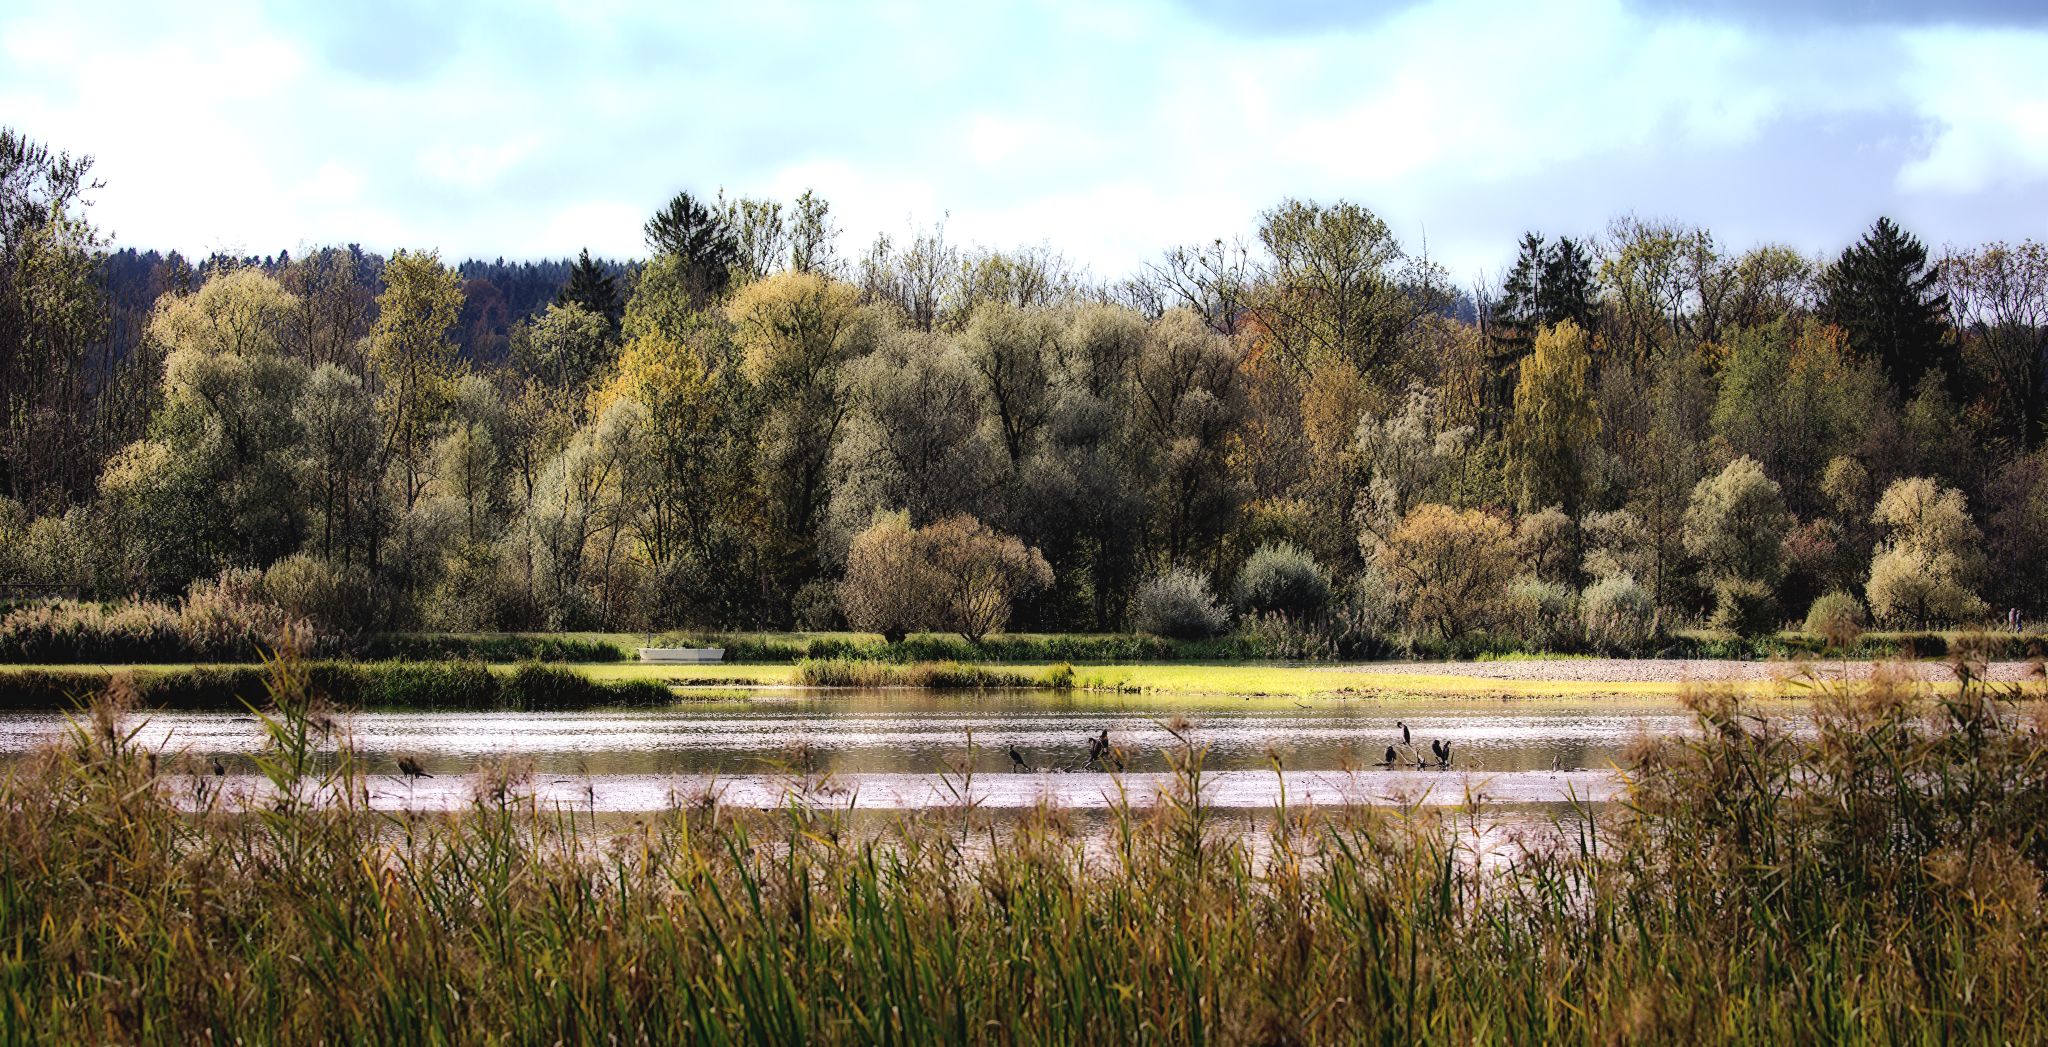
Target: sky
(1106, 131)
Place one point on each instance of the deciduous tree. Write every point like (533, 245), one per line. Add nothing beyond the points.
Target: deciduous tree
(1554, 425)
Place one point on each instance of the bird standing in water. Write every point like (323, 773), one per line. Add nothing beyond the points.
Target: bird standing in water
(1017, 760)
(220, 769)
(411, 768)
(1389, 761)
(1405, 739)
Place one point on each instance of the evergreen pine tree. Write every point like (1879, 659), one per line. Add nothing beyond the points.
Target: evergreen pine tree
(690, 231)
(594, 289)
(1566, 292)
(1881, 292)
(1513, 330)
(1549, 284)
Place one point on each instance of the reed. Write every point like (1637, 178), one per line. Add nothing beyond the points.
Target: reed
(1877, 879)
(956, 676)
(388, 685)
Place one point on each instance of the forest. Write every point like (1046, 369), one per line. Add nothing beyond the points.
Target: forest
(1314, 432)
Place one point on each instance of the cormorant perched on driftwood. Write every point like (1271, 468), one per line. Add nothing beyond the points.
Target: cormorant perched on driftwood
(1405, 739)
(411, 768)
(1442, 751)
(220, 769)
(1017, 760)
(1389, 761)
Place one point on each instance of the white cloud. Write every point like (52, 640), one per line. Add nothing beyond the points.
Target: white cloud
(333, 183)
(1107, 131)
(1985, 91)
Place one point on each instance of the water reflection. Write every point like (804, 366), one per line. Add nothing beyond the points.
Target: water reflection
(891, 746)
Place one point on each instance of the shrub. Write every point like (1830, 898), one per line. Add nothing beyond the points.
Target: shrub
(1282, 579)
(888, 582)
(57, 554)
(224, 619)
(69, 631)
(1745, 607)
(1544, 541)
(1177, 605)
(815, 647)
(229, 616)
(1845, 483)
(1541, 613)
(1616, 543)
(1059, 676)
(1370, 604)
(958, 574)
(334, 600)
(983, 572)
(1448, 568)
(493, 647)
(1735, 523)
(1323, 637)
(1620, 615)
(1836, 617)
(14, 522)
(1817, 561)
(1913, 585)
(816, 607)
(1926, 569)
(476, 592)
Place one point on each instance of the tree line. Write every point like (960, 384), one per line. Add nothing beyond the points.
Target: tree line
(1310, 430)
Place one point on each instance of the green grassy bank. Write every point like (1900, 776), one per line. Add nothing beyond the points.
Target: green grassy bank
(477, 685)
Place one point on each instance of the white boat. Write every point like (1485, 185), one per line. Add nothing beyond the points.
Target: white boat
(682, 654)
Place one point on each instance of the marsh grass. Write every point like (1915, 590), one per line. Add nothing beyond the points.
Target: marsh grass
(1876, 879)
(529, 686)
(858, 672)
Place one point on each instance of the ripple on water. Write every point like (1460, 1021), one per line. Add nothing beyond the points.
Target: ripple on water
(887, 751)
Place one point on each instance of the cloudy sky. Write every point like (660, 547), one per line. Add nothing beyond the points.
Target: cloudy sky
(1108, 131)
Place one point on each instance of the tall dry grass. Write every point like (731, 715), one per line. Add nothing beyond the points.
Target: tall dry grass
(1878, 879)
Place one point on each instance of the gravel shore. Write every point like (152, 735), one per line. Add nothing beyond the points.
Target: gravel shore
(1675, 670)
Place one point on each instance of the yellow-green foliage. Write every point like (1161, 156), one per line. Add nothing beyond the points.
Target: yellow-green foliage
(1554, 421)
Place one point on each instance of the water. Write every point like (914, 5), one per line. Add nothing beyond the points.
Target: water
(906, 749)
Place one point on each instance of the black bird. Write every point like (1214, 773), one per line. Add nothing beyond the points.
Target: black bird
(1017, 760)
(220, 769)
(1442, 751)
(411, 768)
(1405, 740)
(1389, 761)
(1095, 747)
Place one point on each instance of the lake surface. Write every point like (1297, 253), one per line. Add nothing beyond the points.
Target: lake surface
(908, 749)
